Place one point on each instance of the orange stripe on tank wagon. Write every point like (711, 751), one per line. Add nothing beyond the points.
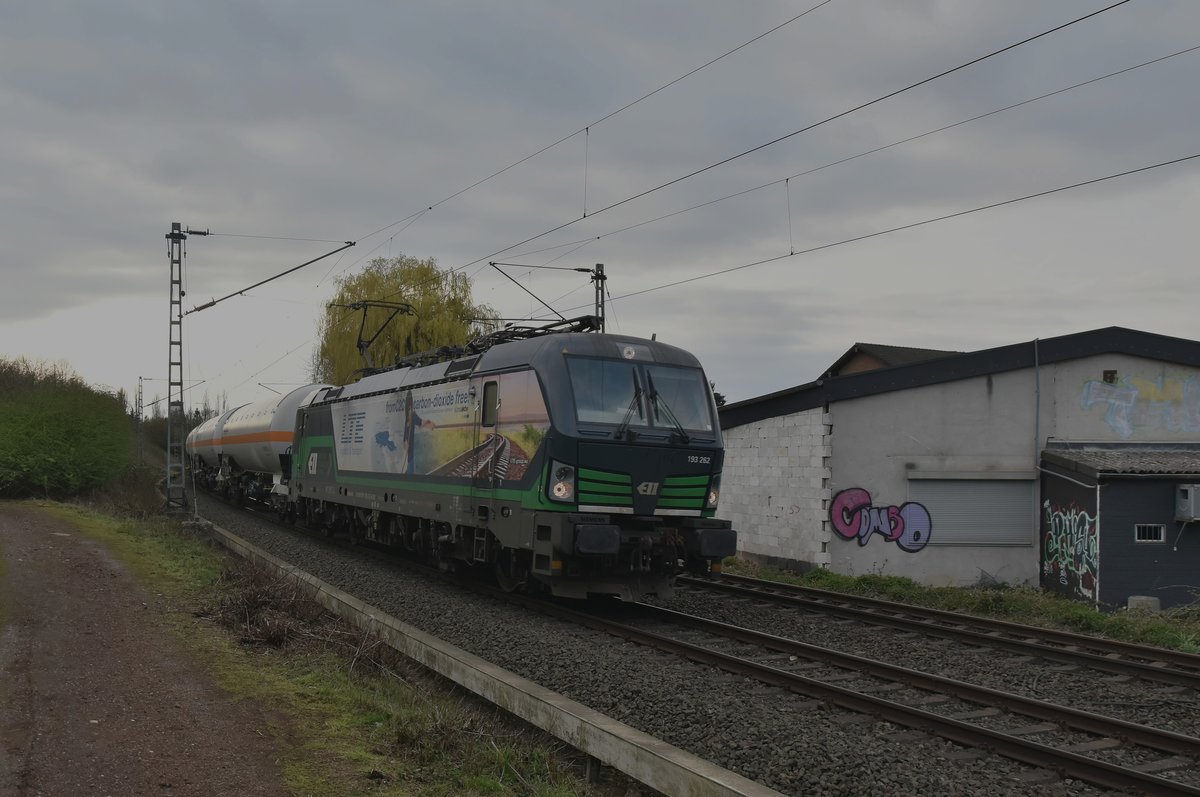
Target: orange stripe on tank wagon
(257, 437)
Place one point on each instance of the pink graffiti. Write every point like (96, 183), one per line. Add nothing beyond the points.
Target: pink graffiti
(853, 516)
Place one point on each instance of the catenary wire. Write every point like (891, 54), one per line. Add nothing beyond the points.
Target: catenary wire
(847, 159)
(805, 129)
(413, 219)
(843, 242)
(840, 115)
(889, 231)
(272, 237)
(604, 118)
(769, 143)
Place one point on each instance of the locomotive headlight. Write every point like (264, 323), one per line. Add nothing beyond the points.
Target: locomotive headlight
(714, 493)
(562, 482)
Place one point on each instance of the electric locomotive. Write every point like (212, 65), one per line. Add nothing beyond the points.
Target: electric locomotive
(563, 461)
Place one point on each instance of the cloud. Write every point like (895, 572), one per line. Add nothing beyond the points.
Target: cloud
(321, 122)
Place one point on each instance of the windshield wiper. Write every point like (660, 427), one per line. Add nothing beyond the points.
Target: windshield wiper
(657, 402)
(634, 404)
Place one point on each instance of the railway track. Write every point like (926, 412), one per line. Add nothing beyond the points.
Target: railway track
(1089, 747)
(1107, 655)
(605, 740)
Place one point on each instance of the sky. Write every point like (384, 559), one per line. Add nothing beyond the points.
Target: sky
(267, 122)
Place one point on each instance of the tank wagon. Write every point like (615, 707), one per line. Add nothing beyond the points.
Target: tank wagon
(566, 462)
(246, 452)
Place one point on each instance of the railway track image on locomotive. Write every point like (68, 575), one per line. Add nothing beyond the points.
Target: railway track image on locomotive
(565, 461)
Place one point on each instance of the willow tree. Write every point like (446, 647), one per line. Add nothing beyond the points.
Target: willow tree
(443, 314)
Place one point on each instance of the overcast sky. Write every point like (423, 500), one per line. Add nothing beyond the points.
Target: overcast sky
(325, 121)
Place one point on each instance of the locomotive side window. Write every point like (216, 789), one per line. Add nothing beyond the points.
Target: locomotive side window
(490, 403)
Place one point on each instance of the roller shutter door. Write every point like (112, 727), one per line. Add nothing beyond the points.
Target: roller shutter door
(977, 511)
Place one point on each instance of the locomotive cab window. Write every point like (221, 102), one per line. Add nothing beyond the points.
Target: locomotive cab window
(639, 394)
(491, 403)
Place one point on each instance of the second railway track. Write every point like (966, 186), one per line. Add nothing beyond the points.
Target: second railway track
(1107, 655)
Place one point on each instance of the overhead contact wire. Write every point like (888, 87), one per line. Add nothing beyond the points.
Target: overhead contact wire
(794, 133)
(903, 227)
(604, 118)
(849, 158)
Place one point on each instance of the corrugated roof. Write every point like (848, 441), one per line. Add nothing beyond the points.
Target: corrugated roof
(1133, 461)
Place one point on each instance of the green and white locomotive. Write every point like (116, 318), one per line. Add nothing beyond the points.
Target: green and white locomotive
(565, 462)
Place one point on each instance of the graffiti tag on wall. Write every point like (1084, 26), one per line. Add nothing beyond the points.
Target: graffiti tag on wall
(1071, 548)
(854, 516)
(1162, 404)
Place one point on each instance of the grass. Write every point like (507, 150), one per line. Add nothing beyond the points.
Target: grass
(352, 717)
(1176, 629)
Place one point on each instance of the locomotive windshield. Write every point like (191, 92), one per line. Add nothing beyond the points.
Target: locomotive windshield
(639, 394)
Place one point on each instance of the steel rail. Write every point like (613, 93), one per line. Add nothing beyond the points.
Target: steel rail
(1134, 733)
(1157, 664)
(644, 758)
(1068, 764)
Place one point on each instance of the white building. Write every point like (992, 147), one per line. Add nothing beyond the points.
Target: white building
(932, 468)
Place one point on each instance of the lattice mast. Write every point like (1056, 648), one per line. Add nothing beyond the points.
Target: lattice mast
(137, 414)
(176, 497)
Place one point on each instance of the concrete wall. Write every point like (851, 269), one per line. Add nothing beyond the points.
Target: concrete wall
(774, 487)
(782, 474)
(1150, 401)
(980, 428)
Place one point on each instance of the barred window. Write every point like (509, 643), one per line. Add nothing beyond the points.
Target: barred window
(1149, 532)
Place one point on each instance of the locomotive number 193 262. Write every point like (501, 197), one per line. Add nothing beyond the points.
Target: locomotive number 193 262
(698, 460)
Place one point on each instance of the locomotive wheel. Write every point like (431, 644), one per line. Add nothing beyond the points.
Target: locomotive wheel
(411, 536)
(510, 575)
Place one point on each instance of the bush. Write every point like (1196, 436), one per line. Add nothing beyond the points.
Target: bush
(58, 436)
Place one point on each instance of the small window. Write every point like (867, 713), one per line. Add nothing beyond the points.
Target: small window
(490, 403)
(1149, 532)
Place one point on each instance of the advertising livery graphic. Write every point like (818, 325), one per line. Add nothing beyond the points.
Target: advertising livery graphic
(436, 431)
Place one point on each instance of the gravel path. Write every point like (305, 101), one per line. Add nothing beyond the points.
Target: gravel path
(792, 744)
(97, 696)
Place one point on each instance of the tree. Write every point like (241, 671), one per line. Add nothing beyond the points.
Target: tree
(717, 397)
(444, 315)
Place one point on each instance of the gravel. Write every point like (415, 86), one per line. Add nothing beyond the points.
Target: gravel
(1150, 703)
(790, 743)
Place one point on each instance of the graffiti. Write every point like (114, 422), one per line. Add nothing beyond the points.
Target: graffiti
(853, 516)
(1072, 548)
(1162, 404)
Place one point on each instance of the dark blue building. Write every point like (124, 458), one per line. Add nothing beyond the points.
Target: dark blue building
(1121, 520)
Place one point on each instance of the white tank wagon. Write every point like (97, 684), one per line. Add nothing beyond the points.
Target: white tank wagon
(203, 444)
(247, 451)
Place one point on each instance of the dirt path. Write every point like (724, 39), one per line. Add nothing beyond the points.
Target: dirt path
(96, 698)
